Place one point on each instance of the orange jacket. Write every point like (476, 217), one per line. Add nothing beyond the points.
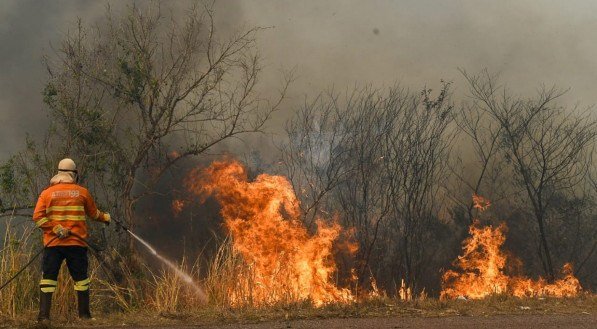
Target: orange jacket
(66, 204)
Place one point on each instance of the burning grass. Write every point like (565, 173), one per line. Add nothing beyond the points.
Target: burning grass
(162, 298)
(271, 268)
(275, 258)
(481, 269)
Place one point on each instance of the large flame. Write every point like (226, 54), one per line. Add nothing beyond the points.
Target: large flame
(480, 269)
(283, 261)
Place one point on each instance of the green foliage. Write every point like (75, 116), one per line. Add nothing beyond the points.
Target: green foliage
(49, 95)
(13, 184)
(7, 177)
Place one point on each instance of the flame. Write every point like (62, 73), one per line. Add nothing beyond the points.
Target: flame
(568, 286)
(285, 263)
(404, 292)
(177, 206)
(480, 203)
(480, 265)
(173, 154)
(481, 268)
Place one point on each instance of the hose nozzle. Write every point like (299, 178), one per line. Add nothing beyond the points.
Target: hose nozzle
(120, 225)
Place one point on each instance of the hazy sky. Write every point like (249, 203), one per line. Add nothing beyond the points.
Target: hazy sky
(340, 43)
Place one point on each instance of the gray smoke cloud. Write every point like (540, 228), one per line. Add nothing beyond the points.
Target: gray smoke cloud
(419, 42)
(338, 43)
(27, 31)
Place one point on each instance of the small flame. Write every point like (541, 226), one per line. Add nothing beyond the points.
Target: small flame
(404, 292)
(177, 206)
(480, 203)
(173, 154)
(284, 261)
(481, 268)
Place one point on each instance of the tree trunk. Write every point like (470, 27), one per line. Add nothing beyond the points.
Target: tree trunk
(548, 265)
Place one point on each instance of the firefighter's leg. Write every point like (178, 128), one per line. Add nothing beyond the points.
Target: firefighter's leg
(77, 262)
(51, 261)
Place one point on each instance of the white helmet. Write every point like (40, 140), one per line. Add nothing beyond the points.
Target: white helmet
(67, 165)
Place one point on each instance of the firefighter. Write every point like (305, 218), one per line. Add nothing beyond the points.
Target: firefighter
(60, 210)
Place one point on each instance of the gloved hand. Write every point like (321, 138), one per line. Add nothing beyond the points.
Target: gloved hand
(60, 231)
(107, 219)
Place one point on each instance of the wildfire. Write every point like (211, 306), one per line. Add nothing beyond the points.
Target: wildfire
(481, 269)
(284, 262)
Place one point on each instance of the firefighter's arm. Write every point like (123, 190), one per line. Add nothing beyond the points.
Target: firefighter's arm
(39, 214)
(92, 211)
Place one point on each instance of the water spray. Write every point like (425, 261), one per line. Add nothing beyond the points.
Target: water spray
(180, 273)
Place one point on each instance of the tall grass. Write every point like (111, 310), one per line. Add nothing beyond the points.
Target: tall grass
(222, 279)
(169, 293)
(225, 277)
(21, 294)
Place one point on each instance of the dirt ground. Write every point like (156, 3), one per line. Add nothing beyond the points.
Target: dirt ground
(492, 312)
(460, 322)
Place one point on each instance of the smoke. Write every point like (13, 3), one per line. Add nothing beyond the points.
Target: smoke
(332, 44)
(336, 43)
(417, 43)
(27, 31)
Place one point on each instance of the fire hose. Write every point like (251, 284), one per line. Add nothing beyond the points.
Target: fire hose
(95, 252)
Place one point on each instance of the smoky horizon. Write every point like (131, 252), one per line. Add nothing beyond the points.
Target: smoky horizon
(334, 45)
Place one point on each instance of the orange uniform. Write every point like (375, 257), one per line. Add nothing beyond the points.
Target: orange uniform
(66, 204)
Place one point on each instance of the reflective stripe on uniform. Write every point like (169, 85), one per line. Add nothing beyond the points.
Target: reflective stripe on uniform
(82, 285)
(41, 221)
(68, 217)
(83, 282)
(48, 282)
(64, 208)
(47, 285)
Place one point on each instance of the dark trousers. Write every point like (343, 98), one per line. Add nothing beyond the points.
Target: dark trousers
(76, 261)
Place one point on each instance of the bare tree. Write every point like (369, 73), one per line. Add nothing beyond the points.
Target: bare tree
(484, 135)
(137, 95)
(315, 154)
(364, 198)
(545, 144)
(377, 157)
(334, 158)
(585, 236)
(418, 151)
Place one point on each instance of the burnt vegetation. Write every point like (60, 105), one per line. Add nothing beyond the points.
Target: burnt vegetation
(143, 96)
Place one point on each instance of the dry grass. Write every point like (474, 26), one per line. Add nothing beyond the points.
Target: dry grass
(170, 295)
(210, 314)
(222, 277)
(163, 298)
(21, 293)
(21, 297)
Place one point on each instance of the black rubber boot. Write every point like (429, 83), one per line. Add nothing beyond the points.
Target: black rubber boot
(83, 304)
(45, 305)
